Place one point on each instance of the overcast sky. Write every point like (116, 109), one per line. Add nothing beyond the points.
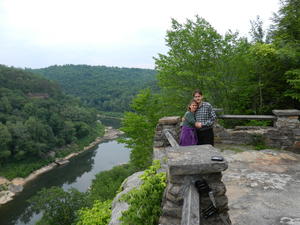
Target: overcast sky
(123, 33)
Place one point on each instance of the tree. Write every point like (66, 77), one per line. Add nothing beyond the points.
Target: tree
(5, 105)
(286, 27)
(5, 140)
(199, 57)
(38, 131)
(266, 77)
(257, 32)
(139, 127)
(286, 36)
(58, 206)
(20, 136)
(41, 136)
(68, 132)
(82, 129)
(194, 48)
(293, 78)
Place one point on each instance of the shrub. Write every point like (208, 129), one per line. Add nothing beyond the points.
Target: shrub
(99, 214)
(145, 202)
(258, 141)
(106, 183)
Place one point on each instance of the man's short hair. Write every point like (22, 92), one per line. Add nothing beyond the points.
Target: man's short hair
(197, 91)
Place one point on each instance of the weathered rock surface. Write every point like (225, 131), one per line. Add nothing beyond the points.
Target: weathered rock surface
(119, 206)
(15, 188)
(6, 196)
(263, 187)
(3, 181)
(111, 133)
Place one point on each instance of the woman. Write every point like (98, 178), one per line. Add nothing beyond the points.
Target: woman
(188, 135)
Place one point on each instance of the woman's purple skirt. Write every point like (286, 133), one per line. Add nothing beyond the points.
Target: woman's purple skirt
(188, 136)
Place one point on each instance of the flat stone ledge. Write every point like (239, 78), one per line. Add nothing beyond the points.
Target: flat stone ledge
(218, 110)
(169, 120)
(196, 159)
(248, 117)
(286, 112)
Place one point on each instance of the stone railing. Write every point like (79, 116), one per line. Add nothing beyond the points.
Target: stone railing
(185, 166)
(284, 134)
(185, 202)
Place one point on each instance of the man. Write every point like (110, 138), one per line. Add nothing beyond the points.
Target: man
(205, 118)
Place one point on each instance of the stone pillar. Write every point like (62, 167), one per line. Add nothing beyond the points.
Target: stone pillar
(172, 124)
(186, 165)
(288, 125)
(287, 118)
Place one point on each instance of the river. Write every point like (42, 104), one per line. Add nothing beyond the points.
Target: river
(78, 174)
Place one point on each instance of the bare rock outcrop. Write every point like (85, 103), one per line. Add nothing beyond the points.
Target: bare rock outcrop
(263, 187)
(119, 206)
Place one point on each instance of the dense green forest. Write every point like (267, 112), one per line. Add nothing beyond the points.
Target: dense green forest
(109, 89)
(36, 117)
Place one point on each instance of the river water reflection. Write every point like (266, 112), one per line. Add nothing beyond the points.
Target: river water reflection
(78, 174)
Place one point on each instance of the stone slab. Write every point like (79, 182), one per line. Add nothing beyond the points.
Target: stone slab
(248, 117)
(196, 159)
(170, 138)
(191, 207)
(6, 196)
(169, 120)
(286, 112)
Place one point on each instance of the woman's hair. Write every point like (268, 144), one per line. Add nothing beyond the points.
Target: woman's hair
(197, 91)
(191, 102)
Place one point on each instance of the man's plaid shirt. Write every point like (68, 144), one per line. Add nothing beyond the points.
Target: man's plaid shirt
(205, 115)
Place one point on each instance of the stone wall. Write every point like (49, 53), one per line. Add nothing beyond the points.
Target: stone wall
(172, 124)
(185, 166)
(285, 134)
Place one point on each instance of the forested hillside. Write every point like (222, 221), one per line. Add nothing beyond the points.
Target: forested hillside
(106, 88)
(36, 117)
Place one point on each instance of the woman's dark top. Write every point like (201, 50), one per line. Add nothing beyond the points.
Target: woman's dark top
(189, 119)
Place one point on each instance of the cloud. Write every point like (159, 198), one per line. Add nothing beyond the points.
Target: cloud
(39, 32)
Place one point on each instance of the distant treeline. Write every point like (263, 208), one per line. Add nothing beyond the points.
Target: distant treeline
(105, 88)
(36, 117)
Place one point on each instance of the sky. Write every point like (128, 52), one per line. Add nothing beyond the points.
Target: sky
(122, 33)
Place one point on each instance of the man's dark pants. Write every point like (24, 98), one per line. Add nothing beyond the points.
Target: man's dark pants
(205, 136)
